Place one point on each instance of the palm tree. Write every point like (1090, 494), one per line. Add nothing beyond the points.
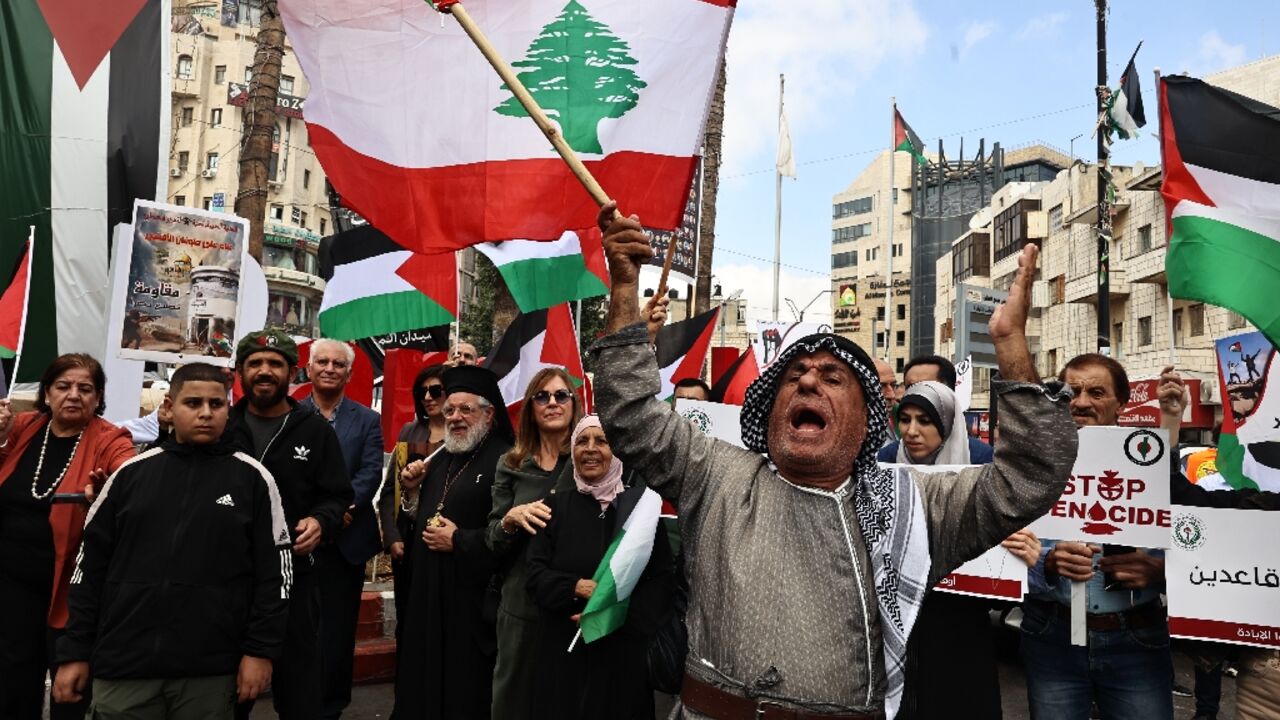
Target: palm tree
(260, 125)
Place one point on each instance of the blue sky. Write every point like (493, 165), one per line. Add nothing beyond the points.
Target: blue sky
(1016, 72)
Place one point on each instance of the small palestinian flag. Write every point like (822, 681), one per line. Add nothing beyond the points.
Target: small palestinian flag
(682, 349)
(540, 339)
(906, 139)
(542, 274)
(1237, 347)
(1222, 192)
(1124, 111)
(376, 287)
(731, 387)
(620, 570)
(13, 304)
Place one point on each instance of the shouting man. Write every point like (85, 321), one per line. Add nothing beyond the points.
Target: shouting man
(807, 562)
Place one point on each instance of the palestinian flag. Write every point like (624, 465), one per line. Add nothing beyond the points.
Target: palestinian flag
(1236, 347)
(536, 340)
(731, 387)
(542, 274)
(1222, 193)
(682, 349)
(421, 137)
(376, 287)
(1124, 111)
(905, 139)
(13, 304)
(84, 130)
(620, 569)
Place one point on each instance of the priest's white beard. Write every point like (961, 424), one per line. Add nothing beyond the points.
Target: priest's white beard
(468, 442)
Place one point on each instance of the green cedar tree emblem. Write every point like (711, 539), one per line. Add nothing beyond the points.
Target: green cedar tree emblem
(580, 73)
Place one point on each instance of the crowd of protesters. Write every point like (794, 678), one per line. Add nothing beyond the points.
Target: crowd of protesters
(228, 556)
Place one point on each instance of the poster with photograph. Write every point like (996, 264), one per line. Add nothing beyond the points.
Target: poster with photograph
(180, 299)
(715, 419)
(774, 336)
(1249, 445)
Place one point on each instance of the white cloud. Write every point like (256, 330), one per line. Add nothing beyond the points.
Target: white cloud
(1213, 54)
(1038, 27)
(824, 48)
(756, 283)
(975, 33)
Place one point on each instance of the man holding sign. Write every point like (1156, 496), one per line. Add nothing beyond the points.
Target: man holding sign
(807, 562)
(1124, 665)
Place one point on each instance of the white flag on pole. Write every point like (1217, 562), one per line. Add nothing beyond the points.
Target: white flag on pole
(786, 160)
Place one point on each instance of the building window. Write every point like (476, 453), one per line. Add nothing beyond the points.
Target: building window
(1059, 289)
(273, 165)
(971, 256)
(302, 218)
(902, 312)
(1144, 238)
(897, 249)
(211, 161)
(1051, 369)
(895, 196)
(180, 200)
(184, 67)
(322, 226)
(1177, 327)
(207, 202)
(219, 74)
(844, 259)
(277, 212)
(215, 117)
(184, 159)
(1055, 218)
(1117, 341)
(248, 74)
(1235, 321)
(853, 232)
(306, 179)
(880, 313)
(880, 339)
(900, 363)
(900, 338)
(852, 207)
(1010, 228)
(1197, 320)
(1144, 331)
(188, 115)
(250, 12)
(286, 84)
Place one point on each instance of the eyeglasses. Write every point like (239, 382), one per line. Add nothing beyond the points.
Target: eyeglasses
(466, 410)
(542, 397)
(435, 391)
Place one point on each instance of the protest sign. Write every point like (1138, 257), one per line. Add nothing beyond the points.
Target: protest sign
(1221, 574)
(964, 383)
(1249, 445)
(180, 297)
(997, 573)
(715, 419)
(772, 337)
(1118, 491)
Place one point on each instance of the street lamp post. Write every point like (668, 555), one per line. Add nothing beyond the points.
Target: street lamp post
(800, 315)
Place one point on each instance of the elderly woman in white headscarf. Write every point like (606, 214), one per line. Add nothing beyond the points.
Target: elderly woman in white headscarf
(931, 426)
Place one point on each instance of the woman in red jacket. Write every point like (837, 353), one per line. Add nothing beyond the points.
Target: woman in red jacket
(62, 448)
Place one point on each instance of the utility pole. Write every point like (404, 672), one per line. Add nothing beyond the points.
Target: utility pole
(260, 125)
(777, 208)
(1103, 227)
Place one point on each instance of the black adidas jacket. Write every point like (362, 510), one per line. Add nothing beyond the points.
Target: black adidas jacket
(185, 567)
(306, 461)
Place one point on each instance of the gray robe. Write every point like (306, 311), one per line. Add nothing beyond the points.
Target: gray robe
(783, 603)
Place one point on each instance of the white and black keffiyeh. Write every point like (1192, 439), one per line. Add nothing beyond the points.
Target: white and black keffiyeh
(887, 502)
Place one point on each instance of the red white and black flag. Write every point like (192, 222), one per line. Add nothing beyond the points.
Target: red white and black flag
(533, 341)
(731, 387)
(682, 349)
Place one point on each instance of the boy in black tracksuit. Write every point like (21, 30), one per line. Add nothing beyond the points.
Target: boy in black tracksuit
(180, 592)
(301, 451)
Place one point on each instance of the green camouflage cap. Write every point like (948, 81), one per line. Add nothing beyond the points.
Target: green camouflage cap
(269, 339)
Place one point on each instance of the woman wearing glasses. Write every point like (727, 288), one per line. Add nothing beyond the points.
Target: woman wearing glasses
(398, 501)
(527, 478)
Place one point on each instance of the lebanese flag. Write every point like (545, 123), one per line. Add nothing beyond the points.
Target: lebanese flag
(419, 135)
(376, 287)
(682, 349)
(1222, 193)
(542, 274)
(13, 304)
(533, 341)
(731, 387)
(84, 117)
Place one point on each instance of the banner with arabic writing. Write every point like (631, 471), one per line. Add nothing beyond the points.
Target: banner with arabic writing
(1222, 576)
(180, 300)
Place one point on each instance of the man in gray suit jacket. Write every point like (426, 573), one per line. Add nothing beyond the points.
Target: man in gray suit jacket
(340, 564)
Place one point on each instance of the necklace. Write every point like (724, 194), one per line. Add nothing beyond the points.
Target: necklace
(436, 520)
(44, 445)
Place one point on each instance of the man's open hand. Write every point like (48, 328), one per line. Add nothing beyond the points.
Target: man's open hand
(1010, 317)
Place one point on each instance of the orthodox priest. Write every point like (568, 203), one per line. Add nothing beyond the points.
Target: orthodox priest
(445, 660)
(807, 563)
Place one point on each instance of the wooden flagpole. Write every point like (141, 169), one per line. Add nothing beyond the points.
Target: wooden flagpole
(521, 93)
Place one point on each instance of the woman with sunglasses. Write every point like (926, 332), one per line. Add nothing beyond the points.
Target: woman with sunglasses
(398, 501)
(527, 478)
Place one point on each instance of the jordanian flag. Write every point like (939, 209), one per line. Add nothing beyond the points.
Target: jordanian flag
(420, 136)
(376, 287)
(542, 274)
(905, 139)
(682, 349)
(533, 341)
(1222, 192)
(84, 93)
(620, 570)
(13, 305)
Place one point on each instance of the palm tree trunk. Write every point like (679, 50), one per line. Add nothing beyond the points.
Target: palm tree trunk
(260, 125)
(710, 187)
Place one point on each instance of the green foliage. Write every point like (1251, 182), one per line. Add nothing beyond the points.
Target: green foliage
(477, 325)
(593, 311)
(579, 73)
